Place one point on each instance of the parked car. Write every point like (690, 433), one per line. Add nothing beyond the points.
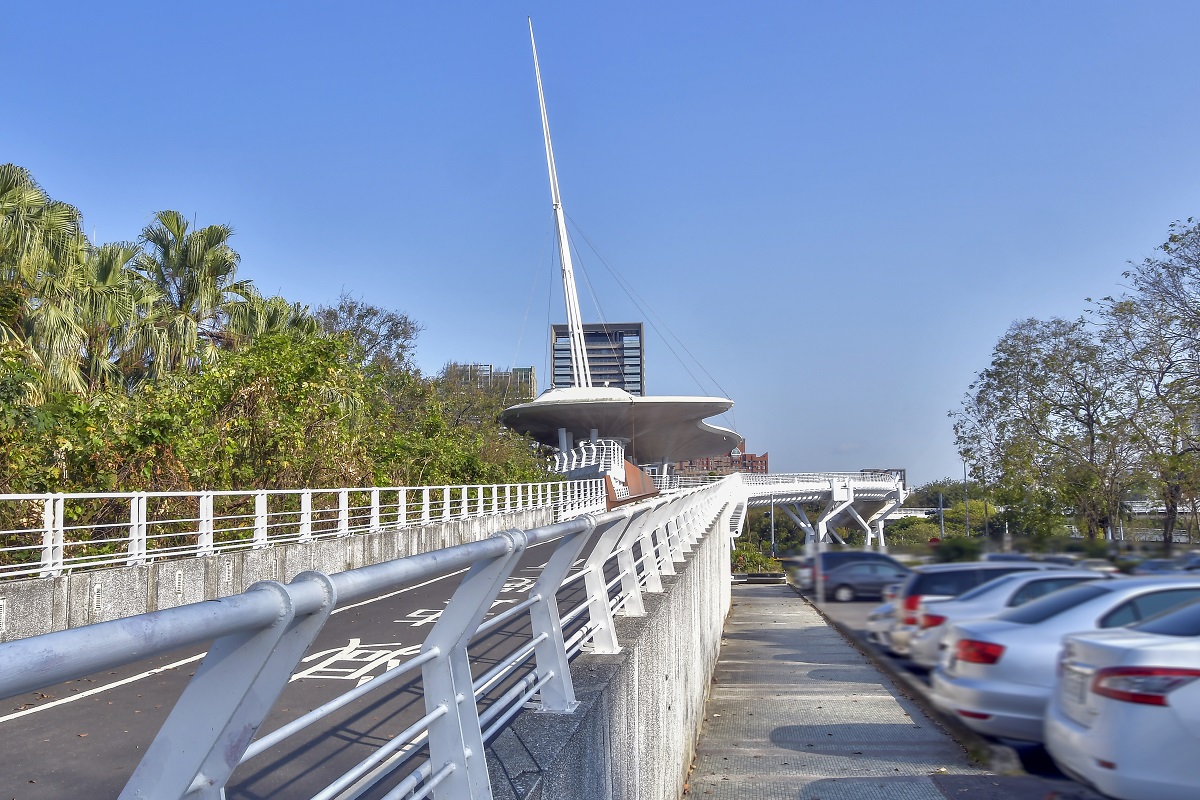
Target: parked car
(1157, 566)
(879, 623)
(832, 559)
(1007, 591)
(1125, 715)
(862, 579)
(942, 582)
(996, 674)
(1098, 564)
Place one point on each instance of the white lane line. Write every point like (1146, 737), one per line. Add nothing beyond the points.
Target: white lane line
(157, 670)
(100, 689)
(340, 609)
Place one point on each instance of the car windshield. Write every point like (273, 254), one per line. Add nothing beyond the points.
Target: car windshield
(984, 588)
(1183, 621)
(1052, 604)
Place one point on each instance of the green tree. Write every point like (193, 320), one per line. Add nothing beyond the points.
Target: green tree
(1049, 413)
(196, 274)
(1153, 332)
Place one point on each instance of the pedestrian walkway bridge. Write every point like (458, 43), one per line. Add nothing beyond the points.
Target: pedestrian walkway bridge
(580, 616)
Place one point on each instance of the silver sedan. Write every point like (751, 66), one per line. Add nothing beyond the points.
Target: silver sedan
(996, 674)
(1125, 716)
(998, 594)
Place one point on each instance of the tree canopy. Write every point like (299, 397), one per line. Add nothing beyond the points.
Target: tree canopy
(154, 365)
(1072, 416)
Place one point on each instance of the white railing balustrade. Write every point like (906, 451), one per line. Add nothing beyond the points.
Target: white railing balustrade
(608, 455)
(48, 534)
(600, 563)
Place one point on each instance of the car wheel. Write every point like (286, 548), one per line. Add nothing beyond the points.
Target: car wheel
(843, 593)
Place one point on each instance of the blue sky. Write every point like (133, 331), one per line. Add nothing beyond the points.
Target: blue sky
(837, 208)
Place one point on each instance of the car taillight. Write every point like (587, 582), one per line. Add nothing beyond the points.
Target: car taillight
(1146, 685)
(931, 620)
(974, 651)
(910, 609)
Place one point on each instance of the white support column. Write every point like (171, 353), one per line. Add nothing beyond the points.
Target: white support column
(796, 513)
(862, 524)
(879, 516)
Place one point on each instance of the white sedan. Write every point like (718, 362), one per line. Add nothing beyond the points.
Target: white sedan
(998, 594)
(996, 674)
(1125, 716)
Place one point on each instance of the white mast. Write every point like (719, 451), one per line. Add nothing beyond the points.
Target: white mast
(579, 362)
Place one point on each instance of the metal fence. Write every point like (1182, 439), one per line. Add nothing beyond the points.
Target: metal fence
(258, 638)
(48, 534)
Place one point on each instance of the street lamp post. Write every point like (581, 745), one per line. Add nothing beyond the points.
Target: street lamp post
(772, 526)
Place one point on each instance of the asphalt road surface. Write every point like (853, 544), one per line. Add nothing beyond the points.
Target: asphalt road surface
(84, 738)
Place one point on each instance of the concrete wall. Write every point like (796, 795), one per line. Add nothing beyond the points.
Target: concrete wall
(34, 606)
(635, 730)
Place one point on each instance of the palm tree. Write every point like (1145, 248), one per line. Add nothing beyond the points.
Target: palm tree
(39, 240)
(266, 315)
(117, 313)
(195, 272)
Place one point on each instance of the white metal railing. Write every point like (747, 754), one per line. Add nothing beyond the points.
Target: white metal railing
(48, 534)
(606, 454)
(667, 483)
(257, 639)
(858, 479)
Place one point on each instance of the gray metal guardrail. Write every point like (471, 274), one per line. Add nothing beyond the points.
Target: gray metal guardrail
(258, 638)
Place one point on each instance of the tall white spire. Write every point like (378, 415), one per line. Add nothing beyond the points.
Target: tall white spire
(579, 362)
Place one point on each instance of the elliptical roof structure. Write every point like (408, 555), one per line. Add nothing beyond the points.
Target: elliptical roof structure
(654, 430)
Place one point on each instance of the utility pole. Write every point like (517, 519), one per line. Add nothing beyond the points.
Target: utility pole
(966, 499)
(941, 518)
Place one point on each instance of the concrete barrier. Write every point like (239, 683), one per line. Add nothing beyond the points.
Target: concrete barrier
(640, 711)
(33, 606)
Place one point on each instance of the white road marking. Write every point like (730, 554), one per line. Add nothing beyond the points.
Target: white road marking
(104, 688)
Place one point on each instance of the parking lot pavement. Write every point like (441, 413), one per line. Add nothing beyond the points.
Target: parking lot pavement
(796, 711)
(1003, 756)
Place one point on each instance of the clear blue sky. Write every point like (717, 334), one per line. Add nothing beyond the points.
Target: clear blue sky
(837, 207)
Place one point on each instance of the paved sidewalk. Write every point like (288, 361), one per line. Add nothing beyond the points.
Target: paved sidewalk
(796, 712)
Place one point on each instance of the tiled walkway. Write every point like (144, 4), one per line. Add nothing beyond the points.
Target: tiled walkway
(796, 712)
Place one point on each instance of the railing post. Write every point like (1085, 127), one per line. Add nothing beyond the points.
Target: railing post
(508, 497)
(137, 528)
(52, 535)
(260, 519)
(448, 501)
(455, 738)
(652, 571)
(343, 512)
(306, 515)
(227, 699)
(374, 510)
(424, 505)
(205, 539)
(604, 637)
(550, 654)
